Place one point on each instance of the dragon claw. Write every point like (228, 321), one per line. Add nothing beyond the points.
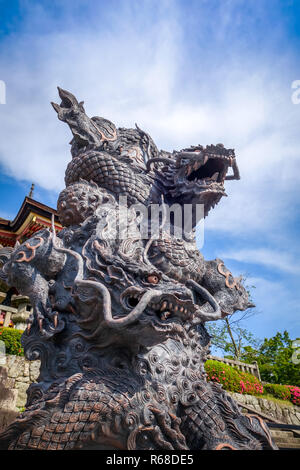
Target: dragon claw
(40, 323)
(55, 320)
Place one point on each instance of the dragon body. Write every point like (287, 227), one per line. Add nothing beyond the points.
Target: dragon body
(119, 318)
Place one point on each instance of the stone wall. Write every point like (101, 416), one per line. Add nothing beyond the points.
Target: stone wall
(20, 374)
(15, 377)
(288, 414)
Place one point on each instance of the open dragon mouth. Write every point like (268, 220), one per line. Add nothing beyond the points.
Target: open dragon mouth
(206, 165)
(213, 170)
(170, 306)
(200, 174)
(165, 307)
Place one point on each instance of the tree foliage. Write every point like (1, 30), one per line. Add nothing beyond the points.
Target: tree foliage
(273, 355)
(274, 358)
(232, 339)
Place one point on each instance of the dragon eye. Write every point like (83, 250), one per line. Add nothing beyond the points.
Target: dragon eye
(153, 279)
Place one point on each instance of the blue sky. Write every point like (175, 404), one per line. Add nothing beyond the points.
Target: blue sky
(196, 71)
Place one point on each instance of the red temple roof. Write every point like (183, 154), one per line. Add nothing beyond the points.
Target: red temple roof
(32, 217)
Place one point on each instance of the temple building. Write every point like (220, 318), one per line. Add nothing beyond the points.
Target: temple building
(31, 217)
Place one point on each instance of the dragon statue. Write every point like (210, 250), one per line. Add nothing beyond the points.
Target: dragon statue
(118, 318)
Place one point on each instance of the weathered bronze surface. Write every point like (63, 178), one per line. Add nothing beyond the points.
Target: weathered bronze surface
(119, 319)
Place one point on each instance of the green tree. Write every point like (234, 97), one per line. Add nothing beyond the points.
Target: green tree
(274, 358)
(231, 338)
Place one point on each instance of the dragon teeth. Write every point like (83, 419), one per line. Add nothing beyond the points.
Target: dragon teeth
(167, 308)
(165, 315)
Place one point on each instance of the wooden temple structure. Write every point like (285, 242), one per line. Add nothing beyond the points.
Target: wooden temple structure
(32, 217)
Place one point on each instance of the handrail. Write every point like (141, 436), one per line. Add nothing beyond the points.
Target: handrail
(283, 426)
(243, 366)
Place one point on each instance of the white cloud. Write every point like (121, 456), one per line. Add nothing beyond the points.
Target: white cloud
(274, 259)
(132, 70)
(120, 74)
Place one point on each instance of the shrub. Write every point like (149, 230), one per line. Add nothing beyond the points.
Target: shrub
(278, 391)
(232, 378)
(284, 392)
(223, 374)
(250, 384)
(295, 394)
(12, 340)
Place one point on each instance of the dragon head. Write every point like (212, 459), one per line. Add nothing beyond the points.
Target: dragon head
(120, 294)
(195, 175)
(127, 162)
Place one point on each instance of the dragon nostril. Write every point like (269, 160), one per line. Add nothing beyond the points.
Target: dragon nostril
(132, 302)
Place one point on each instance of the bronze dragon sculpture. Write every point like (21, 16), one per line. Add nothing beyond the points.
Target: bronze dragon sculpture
(119, 319)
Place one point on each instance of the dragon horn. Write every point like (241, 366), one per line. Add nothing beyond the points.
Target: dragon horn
(53, 225)
(67, 99)
(56, 107)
